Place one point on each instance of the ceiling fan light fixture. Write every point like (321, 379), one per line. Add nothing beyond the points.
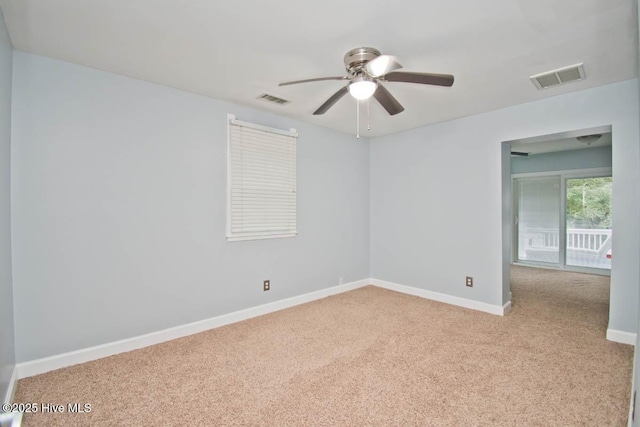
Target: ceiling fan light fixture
(362, 88)
(366, 69)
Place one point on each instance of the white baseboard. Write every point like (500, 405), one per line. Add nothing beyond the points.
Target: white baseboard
(448, 299)
(11, 389)
(40, 366)
(621, 336)
(506, 307)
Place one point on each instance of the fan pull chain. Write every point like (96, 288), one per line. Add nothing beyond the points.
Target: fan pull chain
(357, 119)
(368, 116)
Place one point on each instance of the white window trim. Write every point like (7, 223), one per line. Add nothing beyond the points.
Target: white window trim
(231, 120)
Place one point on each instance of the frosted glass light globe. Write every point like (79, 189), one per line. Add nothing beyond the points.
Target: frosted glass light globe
(362, 89)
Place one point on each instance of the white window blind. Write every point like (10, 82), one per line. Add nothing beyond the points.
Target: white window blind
(261, 175)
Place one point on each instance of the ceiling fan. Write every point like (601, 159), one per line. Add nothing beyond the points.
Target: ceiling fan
(367, 68)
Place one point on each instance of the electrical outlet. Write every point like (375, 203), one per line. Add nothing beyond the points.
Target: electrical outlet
(266, 285)
(469, 281)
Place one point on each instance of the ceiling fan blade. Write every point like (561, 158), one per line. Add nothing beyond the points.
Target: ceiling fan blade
(381, 65)
(318, 79)
(422, 78)
(329, 102)
(387, 100)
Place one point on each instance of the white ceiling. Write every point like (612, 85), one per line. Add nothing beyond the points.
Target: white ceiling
(235, 51)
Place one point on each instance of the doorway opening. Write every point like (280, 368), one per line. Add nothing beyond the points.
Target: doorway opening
(569, 176)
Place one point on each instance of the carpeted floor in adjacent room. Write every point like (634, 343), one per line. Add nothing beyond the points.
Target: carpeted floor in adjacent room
(370, 357)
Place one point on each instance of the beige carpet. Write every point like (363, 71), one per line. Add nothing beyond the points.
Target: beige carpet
(370, 357)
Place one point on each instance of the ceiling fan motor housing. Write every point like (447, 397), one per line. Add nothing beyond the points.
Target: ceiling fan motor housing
(357, 58)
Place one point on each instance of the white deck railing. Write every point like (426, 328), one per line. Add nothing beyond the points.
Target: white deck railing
(597, 241)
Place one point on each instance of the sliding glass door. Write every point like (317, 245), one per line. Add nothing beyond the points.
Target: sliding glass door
(538, 219)
(564, 221)
(588, 222)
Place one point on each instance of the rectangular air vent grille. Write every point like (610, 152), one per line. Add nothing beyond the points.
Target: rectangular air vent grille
(572, 73)
(273, 99)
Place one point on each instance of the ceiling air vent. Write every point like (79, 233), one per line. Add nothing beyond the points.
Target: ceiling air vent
(273, 99)
(572, 73)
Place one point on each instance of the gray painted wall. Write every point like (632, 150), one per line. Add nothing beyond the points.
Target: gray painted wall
(119, 210)
(588, 158)
(436, 196)
(7, 347)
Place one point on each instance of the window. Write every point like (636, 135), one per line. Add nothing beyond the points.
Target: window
(261, 181)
